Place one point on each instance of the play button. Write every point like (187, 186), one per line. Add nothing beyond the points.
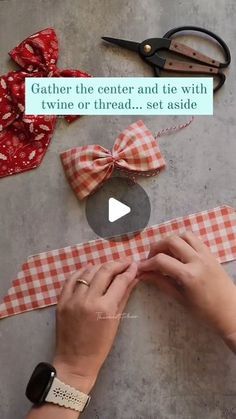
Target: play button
(117, 210)
(119, 207)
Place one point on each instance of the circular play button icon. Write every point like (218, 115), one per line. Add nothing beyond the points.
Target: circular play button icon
(117, 210)
(120, 207)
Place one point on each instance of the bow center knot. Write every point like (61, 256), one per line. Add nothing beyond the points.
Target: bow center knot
(115, 157)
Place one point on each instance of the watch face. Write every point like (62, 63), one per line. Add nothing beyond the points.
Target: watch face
(40, 383)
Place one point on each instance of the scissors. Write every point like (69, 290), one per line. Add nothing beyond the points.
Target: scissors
(199, 64)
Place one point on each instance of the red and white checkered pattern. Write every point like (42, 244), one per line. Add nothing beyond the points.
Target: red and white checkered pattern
(135, 151)
(41, 278)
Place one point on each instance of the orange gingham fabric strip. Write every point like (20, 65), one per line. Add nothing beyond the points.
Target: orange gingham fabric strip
(135, 151)
(41, 278)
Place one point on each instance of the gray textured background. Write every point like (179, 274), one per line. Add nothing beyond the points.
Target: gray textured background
(165, 365)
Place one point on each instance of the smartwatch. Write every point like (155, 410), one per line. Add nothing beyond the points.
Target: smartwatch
(45, 387)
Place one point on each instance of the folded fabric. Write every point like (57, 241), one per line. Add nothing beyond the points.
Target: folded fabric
(41, 278)
(135, 152)
(24, 139)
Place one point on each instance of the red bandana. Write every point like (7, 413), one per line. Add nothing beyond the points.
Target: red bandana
(24, 139)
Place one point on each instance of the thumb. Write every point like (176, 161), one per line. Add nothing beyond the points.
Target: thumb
(164, 264)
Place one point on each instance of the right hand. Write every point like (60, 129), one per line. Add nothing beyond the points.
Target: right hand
(184, 267)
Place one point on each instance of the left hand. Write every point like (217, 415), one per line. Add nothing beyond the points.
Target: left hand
(88, 319)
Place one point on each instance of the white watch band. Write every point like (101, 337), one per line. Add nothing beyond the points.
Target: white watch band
(67, 396)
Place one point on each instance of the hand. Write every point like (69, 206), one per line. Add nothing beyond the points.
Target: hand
(184, 268)
(88, 319)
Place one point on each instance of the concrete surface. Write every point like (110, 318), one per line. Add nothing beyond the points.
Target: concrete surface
(165, 365)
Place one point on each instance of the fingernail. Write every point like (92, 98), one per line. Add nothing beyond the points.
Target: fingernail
(142, 264)
(130, 267)
(122, 262)
(134, 264)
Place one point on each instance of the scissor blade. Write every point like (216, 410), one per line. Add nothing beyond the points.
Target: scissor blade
(132, 46)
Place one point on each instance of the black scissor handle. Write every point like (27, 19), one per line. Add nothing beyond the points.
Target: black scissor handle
(220, 41)
(222, 79)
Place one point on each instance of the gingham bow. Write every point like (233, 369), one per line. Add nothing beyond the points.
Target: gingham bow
(135, 151)
(24, 139)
